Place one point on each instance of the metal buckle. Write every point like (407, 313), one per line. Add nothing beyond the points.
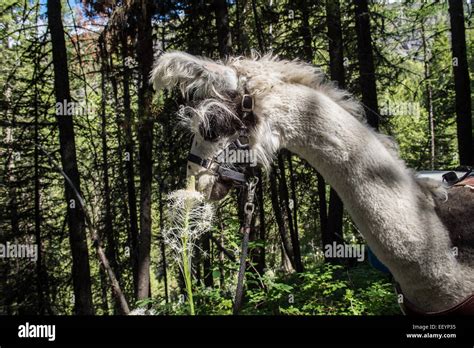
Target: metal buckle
(249, 208)
(251, 186)
(247, 103)
(213, 166)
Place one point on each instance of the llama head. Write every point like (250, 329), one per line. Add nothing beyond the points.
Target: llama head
(213, 94)
(214, 112)
(284, 98)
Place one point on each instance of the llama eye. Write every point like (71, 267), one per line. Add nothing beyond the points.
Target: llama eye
(208, 134)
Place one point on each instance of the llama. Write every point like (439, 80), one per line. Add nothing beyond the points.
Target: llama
(294, 107)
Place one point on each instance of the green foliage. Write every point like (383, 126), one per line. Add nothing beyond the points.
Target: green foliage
(325, 290)
(322, 290)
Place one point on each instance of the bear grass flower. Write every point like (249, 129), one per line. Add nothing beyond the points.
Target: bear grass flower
(189, 217)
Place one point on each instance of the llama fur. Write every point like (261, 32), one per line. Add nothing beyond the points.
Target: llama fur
(298, 109)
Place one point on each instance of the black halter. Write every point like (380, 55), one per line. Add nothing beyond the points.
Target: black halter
(238, 177)
(218, 169)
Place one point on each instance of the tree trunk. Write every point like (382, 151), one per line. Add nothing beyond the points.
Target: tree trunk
(121, 185)
(129, 165)
(305, 30)
(162, 241)
(336, 69)
(77, 234)
(462, 84)
(108, 232)
(103, 290)
(286, 264)
(429, 96)
(145, 139)
(288, 249)
(322, 208)
(40, 272)
(336, 50)
(258, 28)
(224, 38)
(193, 41)
(287, 216)
(238, 27)
(366, 62)
(18, 296)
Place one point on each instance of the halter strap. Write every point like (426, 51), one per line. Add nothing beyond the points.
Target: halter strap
(217, 168)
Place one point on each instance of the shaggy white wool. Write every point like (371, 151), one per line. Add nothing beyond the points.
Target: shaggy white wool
(263, 72)
(299, 110)
(198, 77)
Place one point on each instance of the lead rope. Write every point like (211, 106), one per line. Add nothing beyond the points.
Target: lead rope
(245, 231)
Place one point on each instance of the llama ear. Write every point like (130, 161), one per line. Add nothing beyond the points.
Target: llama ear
(194, 76)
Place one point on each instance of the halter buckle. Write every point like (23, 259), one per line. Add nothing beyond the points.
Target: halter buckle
(247, 103)
(249, 208)
(213, 166)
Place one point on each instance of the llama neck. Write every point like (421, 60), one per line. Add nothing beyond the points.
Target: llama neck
(392, 212)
